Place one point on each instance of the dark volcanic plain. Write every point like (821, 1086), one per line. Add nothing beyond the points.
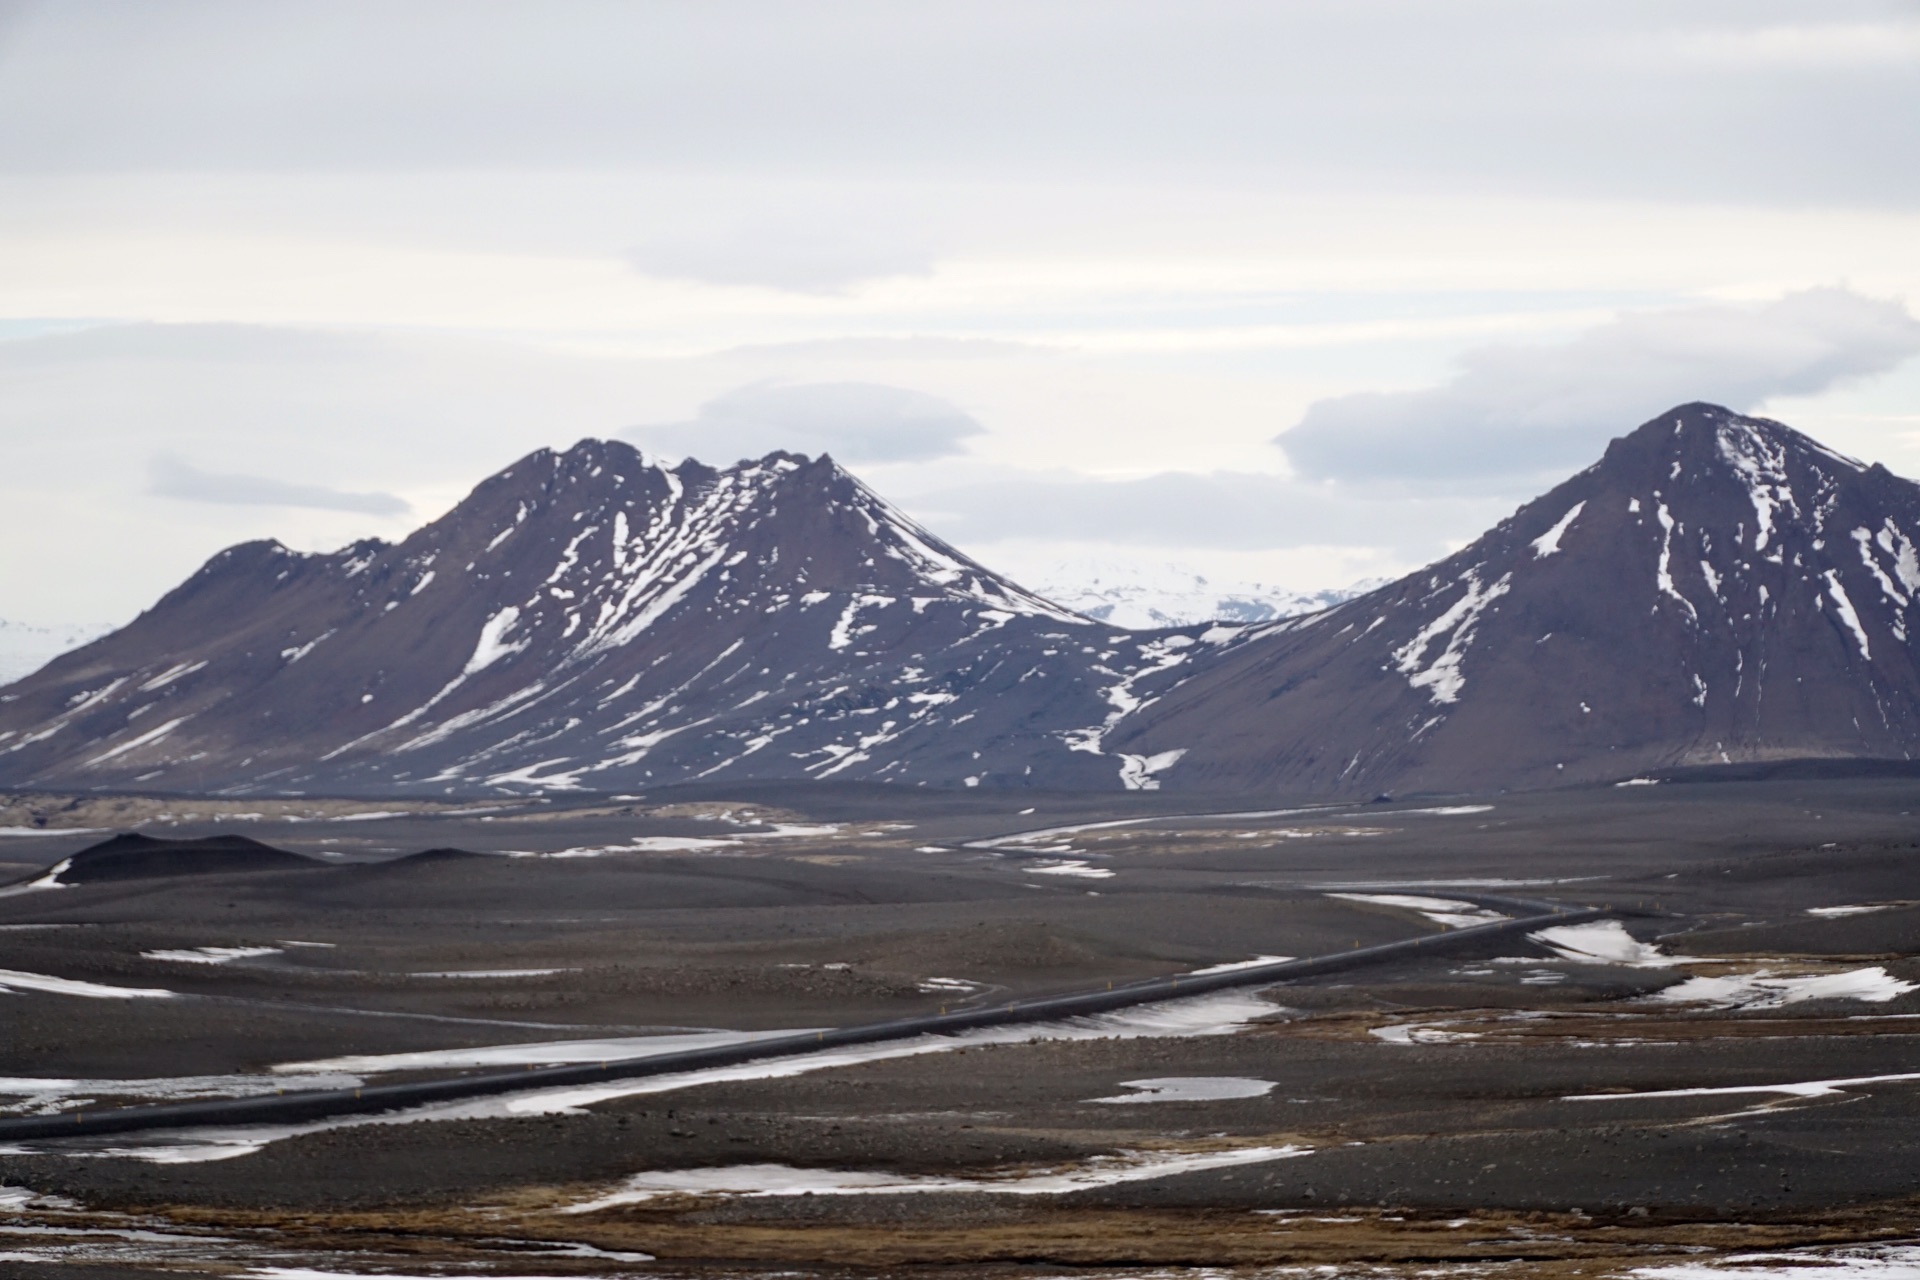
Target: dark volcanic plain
(1473, 1112)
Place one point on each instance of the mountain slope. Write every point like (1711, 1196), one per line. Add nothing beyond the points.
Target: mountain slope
(592, 619)
(1715, 589)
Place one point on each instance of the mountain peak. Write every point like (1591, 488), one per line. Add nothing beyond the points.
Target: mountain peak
(1717, 588)
(1698, 438)
(585, 616)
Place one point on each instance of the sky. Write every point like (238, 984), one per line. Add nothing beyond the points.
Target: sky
(1288, 291)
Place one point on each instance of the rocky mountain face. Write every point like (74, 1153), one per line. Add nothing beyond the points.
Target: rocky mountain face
(591, 619)
(1715, 589)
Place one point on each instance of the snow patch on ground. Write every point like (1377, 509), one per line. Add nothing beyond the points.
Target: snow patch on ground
(491, 973)
(1069, 867)
(1449, 912)
(1603, 942)
(1420, 1033)
(1190, 1089)
(1137, 773)
(545, 1053)
(784, 1180)
(43, 1096)
(1763, 990)
(1846, 1262)
(1233, 965)
(209, 955)
(12, 981)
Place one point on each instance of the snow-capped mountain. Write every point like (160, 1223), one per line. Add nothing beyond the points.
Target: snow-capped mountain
(1145, 596)
(592, 619)
(1716, 588)
(25, 648)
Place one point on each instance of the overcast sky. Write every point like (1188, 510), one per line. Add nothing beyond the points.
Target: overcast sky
(1288, 290)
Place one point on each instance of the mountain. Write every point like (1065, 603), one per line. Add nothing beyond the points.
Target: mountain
(25, 648)
(1715, 589)
(593, 619)
(1146, 596)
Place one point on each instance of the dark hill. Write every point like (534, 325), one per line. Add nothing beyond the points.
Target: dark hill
(594, 620)
(136, 857)
(1717, 589)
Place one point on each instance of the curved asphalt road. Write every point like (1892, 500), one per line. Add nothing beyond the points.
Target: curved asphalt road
(320, 1104)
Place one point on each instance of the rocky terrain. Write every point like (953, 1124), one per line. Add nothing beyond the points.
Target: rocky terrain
(1722, 1069)
(1715, 590)
(592, 620)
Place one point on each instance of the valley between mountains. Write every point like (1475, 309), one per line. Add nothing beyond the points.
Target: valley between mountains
(679, 871)
(1716, 589)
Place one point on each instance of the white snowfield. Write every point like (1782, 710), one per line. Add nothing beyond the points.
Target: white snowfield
(1791, 1089)
(757, 1180)
(1828, 1262)
(210, 955)
(1754, 985)
(13, 981)
(1069, 867)
(1142, 596)
(1449, 912)
(1190, 1089)
(1232, 965)
(49, 879)
(1603, 942)
(38, 1095)
(1762, 990)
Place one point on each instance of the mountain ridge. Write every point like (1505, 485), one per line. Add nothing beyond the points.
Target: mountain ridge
(1715, 589)
(1712, 590)
(590, 618)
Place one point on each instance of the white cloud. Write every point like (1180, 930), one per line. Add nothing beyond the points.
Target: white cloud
(1224, 510)
(172, 477)
(1534, 410)
(808, 254)
(853, 421)
(1826, 46)
(1568, 96)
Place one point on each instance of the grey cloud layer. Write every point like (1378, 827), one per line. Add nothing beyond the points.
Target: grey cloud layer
(1531, 410)
(1634, 97)
(804, 254)
(853, 421)
(171, 477)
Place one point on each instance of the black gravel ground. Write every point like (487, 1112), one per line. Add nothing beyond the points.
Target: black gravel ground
(1470, 1118)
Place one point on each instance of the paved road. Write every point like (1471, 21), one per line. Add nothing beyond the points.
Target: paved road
(319, 1104)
